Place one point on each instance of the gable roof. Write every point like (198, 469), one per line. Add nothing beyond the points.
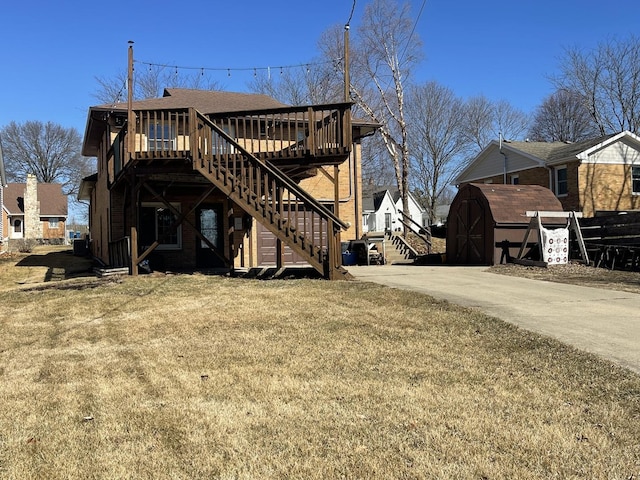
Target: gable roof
(373, 195)
(509, 203)
(53, 203)
(205, 101)
(539, 153)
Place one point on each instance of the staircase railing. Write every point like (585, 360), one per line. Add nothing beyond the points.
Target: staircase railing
(422, 232)
(291, 214)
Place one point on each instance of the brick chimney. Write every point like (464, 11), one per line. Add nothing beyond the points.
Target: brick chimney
(32, 224)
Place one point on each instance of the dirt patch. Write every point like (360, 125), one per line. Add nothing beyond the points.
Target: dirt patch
(576, 274)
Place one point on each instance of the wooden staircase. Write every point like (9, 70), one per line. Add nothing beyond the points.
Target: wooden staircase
(398, 250)
(269, 196)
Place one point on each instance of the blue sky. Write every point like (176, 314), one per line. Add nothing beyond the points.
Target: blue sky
(504, 49)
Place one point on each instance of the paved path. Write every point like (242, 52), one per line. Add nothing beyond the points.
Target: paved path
(604, 322)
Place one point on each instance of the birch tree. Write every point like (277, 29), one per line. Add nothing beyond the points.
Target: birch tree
(383, 55)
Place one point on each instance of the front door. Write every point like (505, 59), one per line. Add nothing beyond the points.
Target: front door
(16, 231)
(387, 222)
(209, 223)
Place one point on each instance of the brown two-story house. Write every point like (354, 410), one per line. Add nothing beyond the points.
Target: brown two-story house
(210, 179)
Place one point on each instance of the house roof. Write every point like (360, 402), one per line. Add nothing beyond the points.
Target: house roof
(373, 195)
(53, 203)
(205, 101)
(537, 153)
(509, 203)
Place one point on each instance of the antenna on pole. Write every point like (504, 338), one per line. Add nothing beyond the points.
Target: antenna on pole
(130, 116)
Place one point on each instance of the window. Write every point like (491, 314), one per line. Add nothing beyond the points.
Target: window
(17, 225)
(515, 180)
(157, 222)
(387, 222)
(161, 136)
(635, 180)
(53, 222)
(562, 186)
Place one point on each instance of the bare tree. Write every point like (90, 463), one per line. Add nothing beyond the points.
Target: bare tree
(319, 81)
(486, 120)
(438, 140)
(47, 150)
(383, 55)
(607, 79)
(562, 117)
(150, 82)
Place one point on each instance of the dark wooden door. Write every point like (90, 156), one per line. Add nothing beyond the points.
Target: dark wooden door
(470, 233)
(209, 223)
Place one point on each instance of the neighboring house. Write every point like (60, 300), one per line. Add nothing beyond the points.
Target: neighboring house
(382, 207)
(210, 179)
(597, 175)
(34, 211)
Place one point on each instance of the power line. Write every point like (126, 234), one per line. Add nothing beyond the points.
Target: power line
(415, 25)
(353, 7)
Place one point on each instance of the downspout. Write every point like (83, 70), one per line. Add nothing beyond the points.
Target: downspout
(504, 164)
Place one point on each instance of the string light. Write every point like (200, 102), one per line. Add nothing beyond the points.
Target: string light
(231, 70)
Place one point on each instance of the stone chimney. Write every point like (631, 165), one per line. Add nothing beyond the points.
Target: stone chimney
(32, 224)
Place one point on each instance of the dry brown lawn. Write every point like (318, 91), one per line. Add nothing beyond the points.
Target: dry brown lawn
(195, 376)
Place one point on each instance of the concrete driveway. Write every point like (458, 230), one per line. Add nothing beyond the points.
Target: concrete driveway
(604, 322)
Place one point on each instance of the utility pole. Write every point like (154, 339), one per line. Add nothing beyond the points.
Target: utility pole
(130, 116)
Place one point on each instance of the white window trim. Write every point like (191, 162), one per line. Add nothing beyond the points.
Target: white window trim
(515, 177)
(555, 175)
(632, 191)
(166, 246)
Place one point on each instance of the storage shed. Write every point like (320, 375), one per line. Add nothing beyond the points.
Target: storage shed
(482, 216)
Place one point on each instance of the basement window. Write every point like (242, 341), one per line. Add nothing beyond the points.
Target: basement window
(159, 223)
(635, 180)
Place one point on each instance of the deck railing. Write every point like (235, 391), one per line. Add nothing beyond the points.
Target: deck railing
(287, 133)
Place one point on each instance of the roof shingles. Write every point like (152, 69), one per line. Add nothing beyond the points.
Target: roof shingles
(53, 203)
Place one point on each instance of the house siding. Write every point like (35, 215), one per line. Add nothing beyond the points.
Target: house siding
(606, 187)
(494, 164)
(621, 152)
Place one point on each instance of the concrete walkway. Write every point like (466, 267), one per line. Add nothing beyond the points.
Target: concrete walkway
(604, 322)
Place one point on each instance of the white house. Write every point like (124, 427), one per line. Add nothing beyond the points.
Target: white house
(382, 207)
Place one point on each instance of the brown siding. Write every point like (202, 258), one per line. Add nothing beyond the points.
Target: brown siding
(53, 233)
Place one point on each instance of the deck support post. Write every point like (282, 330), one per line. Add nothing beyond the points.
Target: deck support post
(134, 251)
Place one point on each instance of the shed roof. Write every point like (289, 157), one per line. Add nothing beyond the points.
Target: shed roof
(53, 203)
(509, 203)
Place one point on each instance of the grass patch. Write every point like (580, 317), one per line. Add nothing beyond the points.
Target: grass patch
(194, 376)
